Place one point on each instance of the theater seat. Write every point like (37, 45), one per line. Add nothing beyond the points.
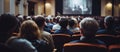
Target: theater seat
(75, 37)
(114, 48)
(108, 39)
(60, 40)
(84, 47)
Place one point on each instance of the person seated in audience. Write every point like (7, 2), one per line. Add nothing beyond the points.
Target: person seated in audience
(49, 21)
(88, 29)
(117, 25)
(101, 23)
(46, 28)
(73, 25)
(8, 24)
(29, 31)
(56, 26)
(45, 35)
(109, 26)
(63, 30)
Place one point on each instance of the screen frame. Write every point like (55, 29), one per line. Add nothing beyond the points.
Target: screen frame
(77, 14)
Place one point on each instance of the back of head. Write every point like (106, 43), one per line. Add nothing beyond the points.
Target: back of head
(7, 23)
(71, 23)
(109, 21)
(40, 21)
(88, 26)
(63, 22)
(29, 30)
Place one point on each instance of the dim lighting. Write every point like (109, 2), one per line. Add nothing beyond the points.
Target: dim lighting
(119, 5)
(48, 5)
(109, 5)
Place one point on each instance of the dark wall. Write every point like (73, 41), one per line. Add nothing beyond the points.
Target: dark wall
(96, 7)
(31, 7)
(58, 6)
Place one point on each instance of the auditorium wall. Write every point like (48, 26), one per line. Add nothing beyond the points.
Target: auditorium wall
(53, 7)
(14, 7)
(47, 8)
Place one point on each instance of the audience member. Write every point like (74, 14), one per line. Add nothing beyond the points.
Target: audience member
(49, 21)
(89, 27)
(45, 35)
(109, 26)
(56, 26)
(8, 24)
(73, 25)
(63, 30)
(29, 31)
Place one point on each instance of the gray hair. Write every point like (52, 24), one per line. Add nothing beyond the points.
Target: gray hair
(89, 26)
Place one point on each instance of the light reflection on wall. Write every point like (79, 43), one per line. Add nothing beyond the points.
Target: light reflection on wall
(108, 8)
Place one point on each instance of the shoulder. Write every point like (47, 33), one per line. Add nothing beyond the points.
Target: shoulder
(21, 45)
(77, 28)
(45, 33)
(21, 42)
(70, 32)
(57, 31)
(100, 42)
(101, 31)
(75, 41)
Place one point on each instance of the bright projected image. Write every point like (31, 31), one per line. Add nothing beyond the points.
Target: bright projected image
(77, 6)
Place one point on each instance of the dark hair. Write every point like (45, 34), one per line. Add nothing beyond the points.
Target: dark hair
(63, 22)
(71, 23)
(40, 21)
(8, 23)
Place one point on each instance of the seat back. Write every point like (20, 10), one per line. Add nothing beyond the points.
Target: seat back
(60, 40)
(75, 37)
(108, 39)
(114, 48)
(84, 47)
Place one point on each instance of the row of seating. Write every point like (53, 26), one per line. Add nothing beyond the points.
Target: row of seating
(61, 39)
(87, 47)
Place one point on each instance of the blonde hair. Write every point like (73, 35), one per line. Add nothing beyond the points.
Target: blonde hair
(30, 30)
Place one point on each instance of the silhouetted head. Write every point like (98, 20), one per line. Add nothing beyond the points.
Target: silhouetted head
(63, 22)
(8, 23)
(40, 21)
(109, 22)
(89, 27)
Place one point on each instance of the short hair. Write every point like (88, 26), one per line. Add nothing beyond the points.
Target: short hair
(71, 23)
(8, 23)
(29, 30)
(109, 21)
(89, 26)
(40, 21)
(63, 22)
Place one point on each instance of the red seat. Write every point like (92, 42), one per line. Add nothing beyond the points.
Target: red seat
(60, 40)
(114, 48)
(108, 39)
(75, 37)
(84, 47)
